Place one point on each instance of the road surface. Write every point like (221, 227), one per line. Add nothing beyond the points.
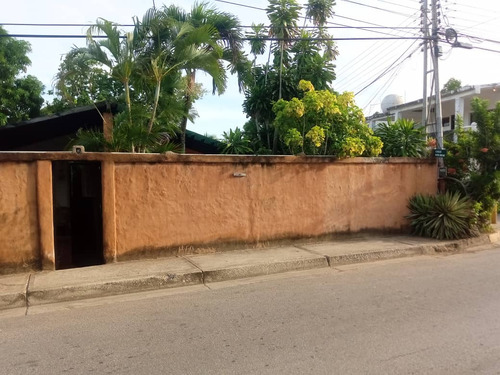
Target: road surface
(423, 315)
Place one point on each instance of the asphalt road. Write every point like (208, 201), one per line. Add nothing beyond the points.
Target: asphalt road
(423, 315)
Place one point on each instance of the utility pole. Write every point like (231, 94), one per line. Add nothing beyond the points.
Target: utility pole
(425, 30)
(435, 61)
(439, 116)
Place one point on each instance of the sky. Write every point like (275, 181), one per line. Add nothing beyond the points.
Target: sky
(371, 69)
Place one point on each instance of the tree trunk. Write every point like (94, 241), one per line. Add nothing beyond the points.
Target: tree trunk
(155, 106)
(280, 95)
(257, 128)
(267, 134)
(275, 138)
(188, 102)
(128, 101)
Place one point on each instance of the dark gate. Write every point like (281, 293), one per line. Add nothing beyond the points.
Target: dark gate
(77, 213)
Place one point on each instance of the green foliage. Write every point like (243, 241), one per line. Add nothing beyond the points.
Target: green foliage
(352, 147)
(452, 85)
(444, 216)
(214, 36)
(20, 96)
(283, 15)
(81, 81)
(473, 159)
(92, 140)
(235, 142)
(402, 138)
(322, 122)
(308, 57)
(294, 140)
(152, 69)
(316, 136)
(129, 136)
(459, 159)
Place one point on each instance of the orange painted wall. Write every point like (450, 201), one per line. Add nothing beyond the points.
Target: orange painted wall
(19, 235)
(161, 203)
(169, 205)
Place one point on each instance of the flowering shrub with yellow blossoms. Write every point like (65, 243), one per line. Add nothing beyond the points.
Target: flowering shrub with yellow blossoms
(324, 123)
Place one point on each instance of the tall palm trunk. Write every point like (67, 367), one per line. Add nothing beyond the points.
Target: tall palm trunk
(188, 102)
(155, 106)
(280, 95)
(127, 99)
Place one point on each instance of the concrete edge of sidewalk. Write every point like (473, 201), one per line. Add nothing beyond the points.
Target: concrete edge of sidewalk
(242, 272)
(12, 301)
(37, 296)
(115, 287)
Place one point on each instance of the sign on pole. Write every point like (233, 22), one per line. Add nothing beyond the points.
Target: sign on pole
(440, 152)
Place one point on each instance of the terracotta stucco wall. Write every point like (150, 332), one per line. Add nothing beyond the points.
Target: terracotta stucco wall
(19, 231)
(170, 205)
(163, 203)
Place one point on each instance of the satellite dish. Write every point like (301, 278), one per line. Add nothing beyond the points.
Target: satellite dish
(391, 101)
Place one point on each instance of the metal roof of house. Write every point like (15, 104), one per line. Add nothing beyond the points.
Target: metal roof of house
(53, 132)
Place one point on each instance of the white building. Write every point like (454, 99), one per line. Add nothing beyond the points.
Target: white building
(453, 104)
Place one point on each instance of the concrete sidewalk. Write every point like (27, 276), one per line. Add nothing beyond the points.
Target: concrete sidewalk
(23, 290)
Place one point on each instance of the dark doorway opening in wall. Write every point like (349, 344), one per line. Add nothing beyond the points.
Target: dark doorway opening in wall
(77, 197)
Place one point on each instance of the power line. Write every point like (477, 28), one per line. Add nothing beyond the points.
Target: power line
(372, 31)
(487, 49)
(241, 5)
(58, 24)
(396, 4)
(395, 28)
(75, 36)
(331, 23)
(241, 27)
(391, 67)
(377, 8)
(384, 87)
(479, 39)
(475, 7)
(366, 62)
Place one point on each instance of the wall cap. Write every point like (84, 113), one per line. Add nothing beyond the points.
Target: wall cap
(169, 157)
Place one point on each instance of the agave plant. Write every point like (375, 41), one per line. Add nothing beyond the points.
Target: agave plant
(444, 216)
(420, 207)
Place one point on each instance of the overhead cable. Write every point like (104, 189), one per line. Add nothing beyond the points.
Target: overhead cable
(391, 67)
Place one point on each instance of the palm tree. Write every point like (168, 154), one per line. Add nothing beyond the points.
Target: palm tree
(319, 11)
(257, 42)
(135, 61)
(169, 46)
(283, 15)
(222, 40)
(116, 52)
(163, 44)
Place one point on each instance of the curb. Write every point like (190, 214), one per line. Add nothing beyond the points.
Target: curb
(32, 295)
(450, 247)
(263, 269)
(340, 260)
(12, 301)
(96, 290)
